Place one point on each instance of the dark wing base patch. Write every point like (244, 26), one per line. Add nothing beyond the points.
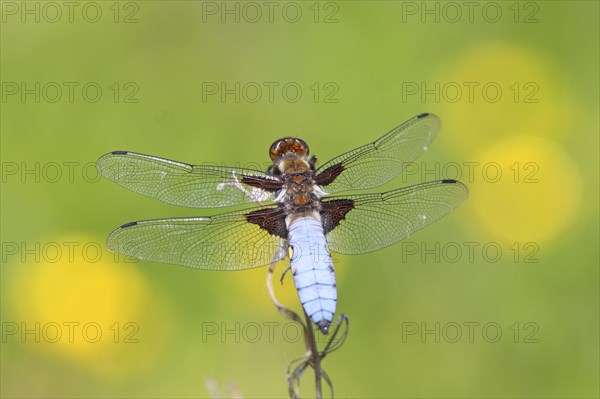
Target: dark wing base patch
(329, 175)
(269, 219)
(334, 211)
(262, 183)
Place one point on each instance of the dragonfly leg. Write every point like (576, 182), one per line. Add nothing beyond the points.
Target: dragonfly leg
(284, 273)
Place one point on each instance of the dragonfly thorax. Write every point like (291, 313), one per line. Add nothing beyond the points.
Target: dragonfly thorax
(300, 193)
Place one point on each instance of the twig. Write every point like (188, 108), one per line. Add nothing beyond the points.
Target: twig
(312, 357)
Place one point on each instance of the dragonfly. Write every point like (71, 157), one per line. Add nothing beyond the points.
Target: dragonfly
(298, 209)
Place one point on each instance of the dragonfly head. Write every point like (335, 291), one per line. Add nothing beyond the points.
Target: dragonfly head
(289, 155)
(288, 145)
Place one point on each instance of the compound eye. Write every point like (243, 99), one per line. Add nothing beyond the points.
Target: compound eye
(300, 147)
(276, 149)
(288, 144)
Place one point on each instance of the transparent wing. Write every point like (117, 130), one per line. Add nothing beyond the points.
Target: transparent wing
(222, 242)
(373, 221)
(195, 186)
(379, 162)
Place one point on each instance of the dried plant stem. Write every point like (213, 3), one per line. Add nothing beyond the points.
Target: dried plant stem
(313, 357)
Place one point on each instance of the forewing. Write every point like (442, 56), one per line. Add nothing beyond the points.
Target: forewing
(231, 241)
(379, 162)
(359, 224)
(195, 186)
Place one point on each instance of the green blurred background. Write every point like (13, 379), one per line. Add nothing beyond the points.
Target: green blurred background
(362, 68)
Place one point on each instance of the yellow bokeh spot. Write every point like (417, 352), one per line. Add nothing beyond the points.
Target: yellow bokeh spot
(69, 299)
(536, 195)
(502, 88)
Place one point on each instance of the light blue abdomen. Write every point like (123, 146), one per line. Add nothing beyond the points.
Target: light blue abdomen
(312, 268)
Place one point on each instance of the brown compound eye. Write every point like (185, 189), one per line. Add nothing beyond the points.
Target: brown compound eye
(288, 144)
